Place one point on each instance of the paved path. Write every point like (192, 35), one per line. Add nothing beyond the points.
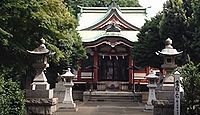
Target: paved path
(108, 108)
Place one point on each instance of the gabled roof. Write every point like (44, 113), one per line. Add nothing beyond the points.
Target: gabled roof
(99, 22)
(113, 21)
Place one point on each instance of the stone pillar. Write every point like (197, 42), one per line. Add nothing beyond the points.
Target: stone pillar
(39, 99)
(177, 93)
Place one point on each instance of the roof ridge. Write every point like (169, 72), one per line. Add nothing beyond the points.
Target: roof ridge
(113, 5)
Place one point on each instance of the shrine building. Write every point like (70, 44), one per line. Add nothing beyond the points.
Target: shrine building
(108, 34)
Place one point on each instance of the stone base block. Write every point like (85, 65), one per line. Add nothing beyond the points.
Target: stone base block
(41, 106)
(39, 93)
(165, 95)
(163, 107)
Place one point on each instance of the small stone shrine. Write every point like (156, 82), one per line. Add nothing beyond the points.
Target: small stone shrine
(152, 86)
(164, 105)
(39, 98)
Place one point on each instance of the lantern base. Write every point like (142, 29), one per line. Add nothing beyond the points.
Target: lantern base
(148, 107)
(67, 106)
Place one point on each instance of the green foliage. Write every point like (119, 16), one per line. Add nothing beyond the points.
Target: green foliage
(193, 30)
(180, 22)
(73, 5)
(24, 22)
(11, 97)
(173, 25)
(148, 43)
(191, 85)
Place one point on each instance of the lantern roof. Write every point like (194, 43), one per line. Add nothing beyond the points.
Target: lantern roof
(151, 75)
(41, 49)
(68, 74)
(168, 50)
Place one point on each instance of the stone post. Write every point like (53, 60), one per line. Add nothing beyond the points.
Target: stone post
(39, 99)
(177, 93)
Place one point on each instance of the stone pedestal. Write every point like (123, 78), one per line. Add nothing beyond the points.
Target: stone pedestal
(149, 105)
(163, 107)
(41, 106)
(40, 101)
(168, 81)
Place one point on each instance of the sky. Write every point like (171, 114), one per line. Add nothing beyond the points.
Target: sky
(153, 6)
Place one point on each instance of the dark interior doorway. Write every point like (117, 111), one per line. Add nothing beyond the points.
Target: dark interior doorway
(112, 68)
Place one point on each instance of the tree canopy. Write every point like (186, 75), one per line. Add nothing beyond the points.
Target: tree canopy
(24, 22)
(179, 21)
(148, 43)
(73, 5)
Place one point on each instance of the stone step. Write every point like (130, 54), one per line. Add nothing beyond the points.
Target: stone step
(112, 96)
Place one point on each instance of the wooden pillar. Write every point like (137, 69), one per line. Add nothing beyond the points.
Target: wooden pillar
(79, 75)
(148, 69)
(131, 67)
(95, 67)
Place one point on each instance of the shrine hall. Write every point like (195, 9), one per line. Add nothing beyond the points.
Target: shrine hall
(108, 34)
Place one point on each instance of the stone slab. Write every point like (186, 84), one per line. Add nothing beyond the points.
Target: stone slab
(111, 96)
(108, 93)
(108, 108)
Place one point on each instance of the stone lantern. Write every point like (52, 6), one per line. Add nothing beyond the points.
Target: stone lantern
(169, 54)
(165, 96)
(40, 54)
(68, 103)
(39, 99)
(152, 86)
